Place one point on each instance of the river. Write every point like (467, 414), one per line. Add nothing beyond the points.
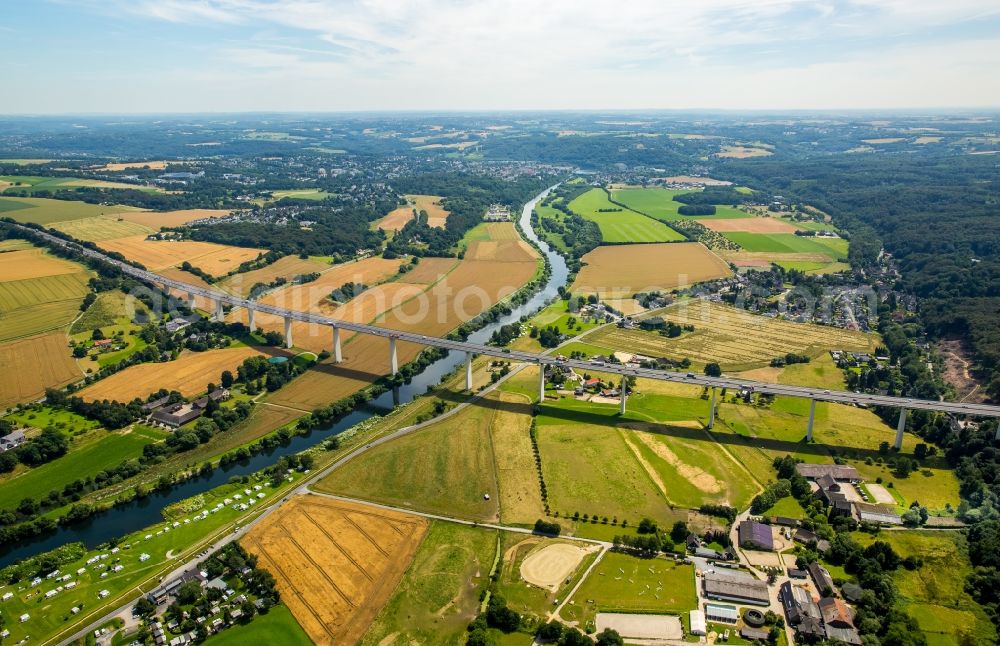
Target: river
(133, 516)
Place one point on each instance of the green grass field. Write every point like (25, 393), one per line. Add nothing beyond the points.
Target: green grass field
(35, 184)
(521, 596)
(621, 226)
(788, 507)
(45, 211)
(110, 308)
(445, 468)
(811, 267)
(439, 593)
(278, 626)
(789, 243)
(94, 452)
(659, 203)
(623, 583)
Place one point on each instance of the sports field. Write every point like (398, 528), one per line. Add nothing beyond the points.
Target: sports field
(440, 593)
(158, 220)
(287, 267)
(211, 258)
(660, 204)
(620, 271)
(31, 365)
(336, 563)
(620, 225)
(101, 228)
(445, 468)
(189, 374)
(40, 210)
(396, 219)
(437, 215)
(733, 338)
(623, 583)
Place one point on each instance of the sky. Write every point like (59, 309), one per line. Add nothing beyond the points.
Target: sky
(160, 56)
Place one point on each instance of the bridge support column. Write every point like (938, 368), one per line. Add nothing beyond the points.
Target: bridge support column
(812, 418)
(541, 383)
(621, 403)
(288, 332)
(392, 355)
(711, 410)
(468, 371)
(250, 321)
(337, 357)
(190, 301)
(219, 314)
(900, 427)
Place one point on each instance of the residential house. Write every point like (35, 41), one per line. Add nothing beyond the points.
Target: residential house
(11, 440)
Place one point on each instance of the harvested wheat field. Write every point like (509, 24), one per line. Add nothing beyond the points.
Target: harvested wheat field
(101, 228)
(214, 259)
(734, 338)
(200, 302)
(743, 152)
(396, 219)
(159, 220)
(189, 374)
(336, 563)
(287, 267)
(549, 567)
(627, 306)
(22, 264)
(750, 225)
(29, 366)
(619, 271)
(429, 270)
(436, 214)
(120, 166)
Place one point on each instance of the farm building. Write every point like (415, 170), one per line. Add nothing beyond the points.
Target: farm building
(721, 613)
(181, 413)
(821, 577)
(733, 587)
(754, 633)
(11, 440)
(807, 538)
(839, 472)
(697, 620)
(798, 604)
(838, 621)
(869, 513)
(756, 535)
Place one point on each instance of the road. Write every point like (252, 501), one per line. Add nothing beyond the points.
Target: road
(817, 394)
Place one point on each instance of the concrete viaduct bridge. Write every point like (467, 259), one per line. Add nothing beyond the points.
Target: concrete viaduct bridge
(219, 299)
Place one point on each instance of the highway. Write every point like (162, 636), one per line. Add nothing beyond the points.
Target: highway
(732, 383)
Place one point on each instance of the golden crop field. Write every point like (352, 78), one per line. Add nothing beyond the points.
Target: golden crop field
(38, 292)
(158, 220)
(743, 152)
(29, 366)
(336, 563)
(619, 271)
(429, 270)
(215, 259)
(189, 374)
(396, 219)
(100, 228)
(31, 262)
(733, 338)
(750, 225)
(287, 267)
(436, 214)
(151, 165)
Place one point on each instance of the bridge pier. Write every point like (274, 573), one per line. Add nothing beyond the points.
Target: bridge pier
(900, 427)
(219, 314)
(468, 371)
(393, 364)
(190, 301)
(711, 410)
(541, 383)
(288, 332)
(250, 321)
(812, 418)
(621, 403)
(337, 357)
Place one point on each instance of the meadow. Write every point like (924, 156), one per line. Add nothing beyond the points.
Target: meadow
(45, 211)
(336, 563)
(622, 270)
(520, 493)
(31, 365)
(440, 592)
(189, 374)
(35, 184)
(659, 203)
(88, 455)
(557, 314)
(623, 583)
(278, 626)
(780, 243)
(621, 225)
(735, 339)
(100, 228)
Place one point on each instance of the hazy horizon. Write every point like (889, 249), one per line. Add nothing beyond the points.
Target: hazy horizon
(322, 56)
